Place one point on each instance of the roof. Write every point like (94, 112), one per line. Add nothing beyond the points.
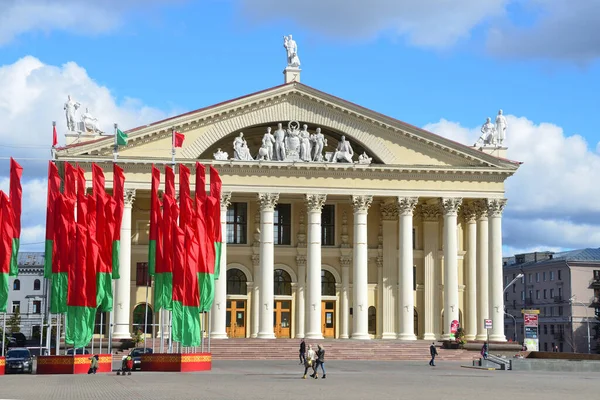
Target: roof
(31, 259)
(587, 255)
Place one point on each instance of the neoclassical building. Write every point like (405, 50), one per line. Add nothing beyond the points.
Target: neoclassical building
(391, 232)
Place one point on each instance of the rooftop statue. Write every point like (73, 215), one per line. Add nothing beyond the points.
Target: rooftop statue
(70, 108)
(292, 51)
(488, 134)
(90, 123)
(501, 126)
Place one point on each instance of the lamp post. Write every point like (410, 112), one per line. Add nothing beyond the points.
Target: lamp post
(505, 313)
(573, 300)
(513, 281)
(515, 321)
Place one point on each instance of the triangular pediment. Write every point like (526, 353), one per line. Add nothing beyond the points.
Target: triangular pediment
(386, 140)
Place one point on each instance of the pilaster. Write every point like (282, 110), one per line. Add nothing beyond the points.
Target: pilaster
(360, 268)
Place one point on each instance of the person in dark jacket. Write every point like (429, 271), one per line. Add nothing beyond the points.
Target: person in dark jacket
(302, 352)
(320, 362)
(433, 352)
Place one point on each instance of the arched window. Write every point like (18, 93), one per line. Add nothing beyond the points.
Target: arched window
(37, 284)
(17, 285)
(372, 320)
(327, 283)
(139, 320)
(283, 283)
(236, 282)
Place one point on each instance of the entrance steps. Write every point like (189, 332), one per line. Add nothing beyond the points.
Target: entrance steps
(336, 349)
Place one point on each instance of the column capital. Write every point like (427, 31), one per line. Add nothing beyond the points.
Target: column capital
(129, 197)
(225, 200)
(315, 202)
(362, 203)
(268, 201)
(301, 260)
(469, 212)
(379, 261)
(451, 205)
(345, 261)
(406, 205)
(481, 209)
(431, 212)
(255, 260)
(389, 211)
(495, 207)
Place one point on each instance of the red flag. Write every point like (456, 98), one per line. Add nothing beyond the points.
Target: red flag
(184, 197)
(70, 181)
(154, 224)
(91, 215)
(80, 181)
(6, 233)
(200, 181)
(178, 261)
(178, 139)
(16, 194)
(119, 197)
(215, 192)
(53, 192)
(54, 136)
(192, 247)
(169, 181)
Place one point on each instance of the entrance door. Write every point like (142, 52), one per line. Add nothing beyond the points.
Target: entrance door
(282, 316)
(236, 318)
(328, 318)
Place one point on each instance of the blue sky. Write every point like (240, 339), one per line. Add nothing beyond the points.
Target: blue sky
(445, 68)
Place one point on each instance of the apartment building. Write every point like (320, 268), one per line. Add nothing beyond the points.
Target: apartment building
(565, 288)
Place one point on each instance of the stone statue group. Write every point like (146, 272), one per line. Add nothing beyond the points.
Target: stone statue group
(293, 144)
(291, 49)
(89, 124)
(493, 135)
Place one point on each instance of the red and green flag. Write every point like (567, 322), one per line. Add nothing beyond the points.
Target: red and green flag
(119, 197)
(215, 192)
(163, 277)
(154, 221)
(53, 193)
(6, 243)
(64, 235)
(16, 195)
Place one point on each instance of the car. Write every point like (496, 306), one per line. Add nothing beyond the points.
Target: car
(19, 360)
(11, 342)
(136, 354)
(20, 338)
(77, 351)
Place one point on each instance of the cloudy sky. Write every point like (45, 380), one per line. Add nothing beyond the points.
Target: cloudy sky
(444, 65)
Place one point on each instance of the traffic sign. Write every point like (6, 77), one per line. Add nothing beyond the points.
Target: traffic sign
(488, 324)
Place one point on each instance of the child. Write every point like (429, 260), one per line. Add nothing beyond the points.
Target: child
(93, 365)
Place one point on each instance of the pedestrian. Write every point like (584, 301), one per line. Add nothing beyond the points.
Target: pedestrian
(484, 351)
(302, 352)
(320, 362)
(433, 352)
(309, 361)
(93, 364)
(555, 349)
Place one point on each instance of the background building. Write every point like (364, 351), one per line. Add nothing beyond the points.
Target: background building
(549, 282)
(27, 293)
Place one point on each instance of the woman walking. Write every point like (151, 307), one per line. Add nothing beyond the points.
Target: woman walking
(311, 356)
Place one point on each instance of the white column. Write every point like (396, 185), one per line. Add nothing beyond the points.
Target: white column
(300, 298)
(122, 329)
(406, 309)
(482, 269)
(219, 309)
(387, 310)
(360, 267)
(315, 204)
(471, 271)
(267, 262)
(495, 208)
(450, 206)
(430, 214)
(378, 306)
(344, 304)
(255, 302)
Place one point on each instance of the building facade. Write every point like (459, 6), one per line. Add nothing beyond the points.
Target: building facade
(387, 232)
(27, 293)
(565, 288)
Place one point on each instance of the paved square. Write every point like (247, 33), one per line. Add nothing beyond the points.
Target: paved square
(282, 380)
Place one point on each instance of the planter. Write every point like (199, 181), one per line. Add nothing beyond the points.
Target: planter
(188, 362)
(78, 364)
(2, 365)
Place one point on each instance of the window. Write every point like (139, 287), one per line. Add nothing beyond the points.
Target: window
(545, 329)
(597, 275)
(522, 295)
(372, 314)
(282, 224)
(101, 321)
(560, 293)
(327, 283)
(514, 288)
(545, 293)
(16, 306)
(560, 310)
(545, 346)
(37, 284)
(37, 306)
(551, 275)
(559, 275)
(283, 283)
(328, 225)
(551, 311)
(552, 329)
(530, 279)
(551, 293)
(537, 276)
(537, 294)
(505, 280)
(523, 279)
(237, 223)
(17, 285)
(141, 274)
(142, 316)
(531, 294)
(544, 276)
(505, 296)
(236, 282)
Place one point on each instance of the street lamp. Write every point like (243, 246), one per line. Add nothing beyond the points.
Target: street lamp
(515, 321)
(513, 281)
(573, 300)
(505, 313)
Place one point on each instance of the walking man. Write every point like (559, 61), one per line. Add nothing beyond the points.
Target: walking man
(320, 362)
(302, 352)
(433, 352)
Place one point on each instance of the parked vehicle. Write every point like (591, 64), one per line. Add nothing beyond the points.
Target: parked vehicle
(136, 354)
(20, 338)
(77, 351)
(19, 360)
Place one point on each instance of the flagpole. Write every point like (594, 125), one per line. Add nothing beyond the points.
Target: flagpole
(201, 334)
(162, 330)
(93, 334)
(209, 326)
(173, 147)
(110, 328)
(170, 331)
(146, 315)
(3, 333)
(57, 343)
(116, 148)
(41, 332)
(53, 150)
(101, 326)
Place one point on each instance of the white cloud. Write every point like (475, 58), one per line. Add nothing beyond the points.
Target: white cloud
(563, 29)
(87, 17)
(552, 197)
(32, 96)
(430, 23)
